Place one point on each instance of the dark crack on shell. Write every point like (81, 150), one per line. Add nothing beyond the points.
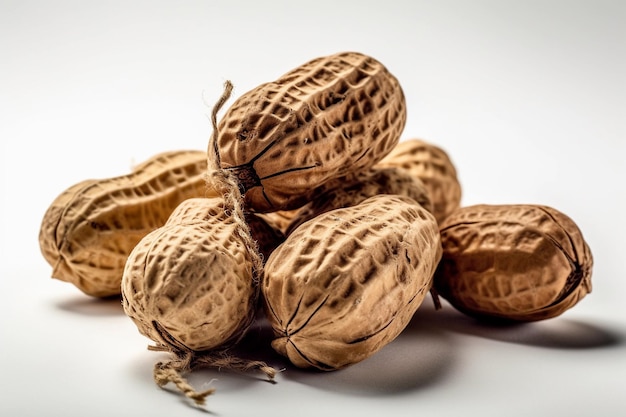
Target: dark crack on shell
(246, 177)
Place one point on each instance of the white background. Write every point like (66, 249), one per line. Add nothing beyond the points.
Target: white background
(527, 97)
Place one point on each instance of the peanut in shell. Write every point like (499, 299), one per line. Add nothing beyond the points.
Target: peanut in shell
(516, 262)
(325, 119)
(434, 167)
(352, 191)
(89, 230)
(189, 284)
(344, 284)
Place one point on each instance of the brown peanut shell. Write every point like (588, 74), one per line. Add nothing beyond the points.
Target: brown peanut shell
(90, 229)
(360, 187)
(433, 166)
(189, 284)
(346, 283)
(513, 262)
(329, 117)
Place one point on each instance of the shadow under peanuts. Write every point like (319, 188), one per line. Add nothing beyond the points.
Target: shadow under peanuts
(256, 346)
(415, 359)
(92, 306)
(557, 332)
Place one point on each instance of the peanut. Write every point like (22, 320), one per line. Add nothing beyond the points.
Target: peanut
(191, 286)
(368, 184)
(189, 283)
(90, 229)
(513, 262)
(433, 166)
(329, 117)
(346, 283)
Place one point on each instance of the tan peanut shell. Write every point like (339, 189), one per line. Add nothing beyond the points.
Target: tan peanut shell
(346, 283)
(329, 117)
(90, 229)
(364, 185)
(189, 284)
(433, 166)
(513, 262)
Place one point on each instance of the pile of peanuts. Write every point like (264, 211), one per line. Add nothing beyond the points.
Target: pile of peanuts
(307, 210)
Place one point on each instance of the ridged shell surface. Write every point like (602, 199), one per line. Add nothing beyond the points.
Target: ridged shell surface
(326, 118)
(515, 262)
(90, 229)
(346, 283)
(433, 166)
(189, 284)
(353, 191)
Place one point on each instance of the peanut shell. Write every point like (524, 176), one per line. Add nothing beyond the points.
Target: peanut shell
(345, 283)
(433, 166)
(90, 229)
(362, 186)
(513, 262)
(329, 117)
(189, 284)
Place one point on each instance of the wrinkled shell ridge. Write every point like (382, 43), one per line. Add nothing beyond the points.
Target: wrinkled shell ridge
(90, 229)
(517, 262)
(329, 117)
(345, 283)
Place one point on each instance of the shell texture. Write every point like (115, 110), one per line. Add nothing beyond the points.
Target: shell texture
(189, 284)
(353, 191)
(90, 229)
(513, 262)
(329, 117)
(346, 283)
(433, 166)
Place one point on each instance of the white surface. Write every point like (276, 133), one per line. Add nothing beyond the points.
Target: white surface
(527, 97)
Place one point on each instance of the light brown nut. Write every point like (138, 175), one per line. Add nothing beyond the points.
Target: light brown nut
(90, 229)
(433, 166)
(189, 284)
(354, 190)
(327, 118)
(346, 283)
(513, 262)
